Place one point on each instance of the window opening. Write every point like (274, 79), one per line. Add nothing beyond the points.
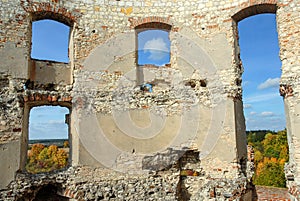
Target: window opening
(258, 42)
(263, 106)
(153, 48)
(50, 41)
(48, 147)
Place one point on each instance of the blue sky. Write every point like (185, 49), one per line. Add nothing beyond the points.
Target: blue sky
(263, 107)
(47, 38)
(49, 42)
(153, 47)
(48, 122)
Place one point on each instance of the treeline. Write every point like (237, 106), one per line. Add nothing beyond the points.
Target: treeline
(47, 142)
(270, 155)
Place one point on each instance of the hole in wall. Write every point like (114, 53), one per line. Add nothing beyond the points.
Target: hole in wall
(194, 83)
(203, 83)
(49, 193)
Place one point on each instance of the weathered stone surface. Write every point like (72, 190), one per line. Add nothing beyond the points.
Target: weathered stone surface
(115, 124)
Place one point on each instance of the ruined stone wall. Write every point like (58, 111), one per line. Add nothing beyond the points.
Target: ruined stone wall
(196, 102)
(289, 31)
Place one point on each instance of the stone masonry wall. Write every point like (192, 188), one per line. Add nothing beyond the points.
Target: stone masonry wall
(88, 183)
(183, 141)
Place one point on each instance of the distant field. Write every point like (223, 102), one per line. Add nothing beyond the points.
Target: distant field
(58, 142)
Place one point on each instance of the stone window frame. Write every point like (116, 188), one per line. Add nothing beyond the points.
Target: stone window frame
(25, 128)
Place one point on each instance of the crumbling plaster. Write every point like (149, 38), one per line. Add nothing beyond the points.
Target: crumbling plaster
(196, 103)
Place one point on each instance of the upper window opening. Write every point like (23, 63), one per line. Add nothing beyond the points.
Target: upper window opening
(259, 46)
(50, 41)
(153, 47)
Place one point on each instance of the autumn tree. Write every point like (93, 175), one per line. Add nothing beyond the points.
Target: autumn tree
(45, 159)
(270, 155)
(270, 172)
(66, 144)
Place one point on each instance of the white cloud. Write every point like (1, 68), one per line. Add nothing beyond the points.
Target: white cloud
(267, 114)
(247, 106)
(63, 110)
(266, 120)
(48, 130)
(61, 121)
(157, 48)
(245, 83)
(251, 120)
(46, 122)
(269, 83)
(260, 97)
(262, 123)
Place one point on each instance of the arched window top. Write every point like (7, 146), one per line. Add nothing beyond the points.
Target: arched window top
(46, 15)
(151, 22)
(153, 26)
(254, 10)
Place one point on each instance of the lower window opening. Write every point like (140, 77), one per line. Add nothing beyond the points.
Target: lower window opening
(48, 134)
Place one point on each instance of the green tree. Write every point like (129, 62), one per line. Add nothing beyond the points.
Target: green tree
(270, 155)
(270, 173)
(258, 156)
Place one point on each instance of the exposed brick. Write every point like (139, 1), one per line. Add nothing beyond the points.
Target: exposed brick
(100, 32)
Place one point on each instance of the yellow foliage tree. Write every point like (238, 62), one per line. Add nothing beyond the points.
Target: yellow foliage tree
(45, 159)
(270, 155)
